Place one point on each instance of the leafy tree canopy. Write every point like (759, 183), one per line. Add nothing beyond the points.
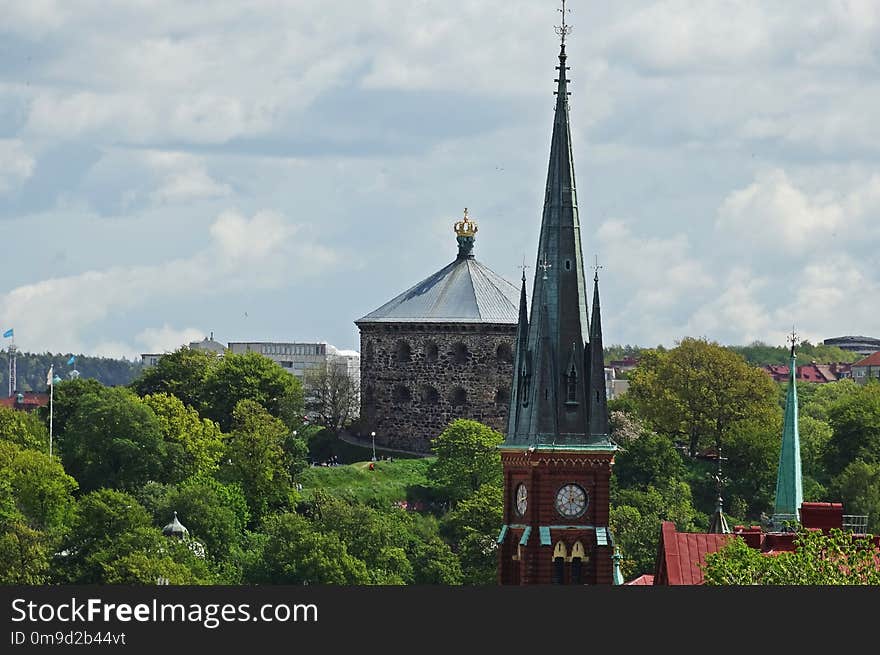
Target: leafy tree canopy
(23, 429)
(467, 458)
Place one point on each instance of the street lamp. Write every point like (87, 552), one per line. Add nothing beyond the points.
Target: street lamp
(373, 435)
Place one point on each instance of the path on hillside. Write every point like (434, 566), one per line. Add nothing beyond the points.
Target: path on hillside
(366, 443)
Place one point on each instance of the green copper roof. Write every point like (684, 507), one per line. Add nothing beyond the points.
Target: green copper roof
(556, 382)
(617, 575)
(789, 483)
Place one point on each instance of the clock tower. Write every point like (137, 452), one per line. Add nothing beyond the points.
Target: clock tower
(557, 454)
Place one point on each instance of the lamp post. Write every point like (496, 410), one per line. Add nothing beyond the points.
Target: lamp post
(373, 435)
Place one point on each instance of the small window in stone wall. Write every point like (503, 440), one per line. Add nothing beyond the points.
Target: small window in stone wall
(431, 352)
(458, 397)
(460, 353)
(401, 394)
(504, 353)
(403, 352)
(502, 396)
(429, 395)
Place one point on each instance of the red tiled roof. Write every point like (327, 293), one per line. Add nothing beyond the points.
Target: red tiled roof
(644, 579)
(870, 360)
(30, 400)
(682, 554)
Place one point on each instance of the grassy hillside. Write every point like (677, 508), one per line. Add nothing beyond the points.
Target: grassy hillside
(390, 482)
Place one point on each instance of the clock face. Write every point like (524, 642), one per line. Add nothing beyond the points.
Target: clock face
(571, 501)
(522, 495)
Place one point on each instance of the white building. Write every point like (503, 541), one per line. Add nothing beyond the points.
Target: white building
(298, 357)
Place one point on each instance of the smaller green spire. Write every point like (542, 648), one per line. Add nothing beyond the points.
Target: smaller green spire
(789, 481)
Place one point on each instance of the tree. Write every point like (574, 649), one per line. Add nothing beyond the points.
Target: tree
(331, 394)
(38, 486)
(66, 398)
(752, 452)
(23, 429)
(296, 553)
(836, 558)
(698, 391)
(467, 458)
(255, 459)
(650, 460)
(113, 440)
(472, 528)
(248, 376)
(855, 420)
(858, 486)
(181, 373)
(193, 445)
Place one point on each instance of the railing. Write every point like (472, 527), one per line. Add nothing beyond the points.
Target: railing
(856, 523)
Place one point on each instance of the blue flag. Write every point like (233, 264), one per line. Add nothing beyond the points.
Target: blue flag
(8, 333)
(72, 360)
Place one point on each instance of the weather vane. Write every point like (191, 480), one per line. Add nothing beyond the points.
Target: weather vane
(544, 265)
(596, 267)
(564, 29)
(792, 339)
(524, 267)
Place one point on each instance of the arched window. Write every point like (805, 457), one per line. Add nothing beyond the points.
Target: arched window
(559, 555)
(403, 351)
(431, 352)
(458, 397)
(429, 395)
(578, 559)
(504, 353)
(401, 394)
(502, 396)
(460, 353)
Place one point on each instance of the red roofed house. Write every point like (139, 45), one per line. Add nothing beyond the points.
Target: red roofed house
(818, 373)
(27, 401)
(868, 368)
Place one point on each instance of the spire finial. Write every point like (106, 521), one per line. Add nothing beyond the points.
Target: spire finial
(465, 229)
(596, 268)
(792, 339)
(524, 267)
(564, 29)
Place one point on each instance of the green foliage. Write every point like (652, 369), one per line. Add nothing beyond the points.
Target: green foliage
(760, 353)
(855, 420)
(472, 528)
(25, 553)
(635, 522)
(650, 460)
(38, 486)
(23, 429)
(698, 391)
(467, 458)
(193, 445)
(31, 369)
(753, 459)
(295, 553)
(113, 440)
(858, 486)
(815, 435)
(820, 559)
(181, 373)
(248, 376)
(65, 402)
(255, 459)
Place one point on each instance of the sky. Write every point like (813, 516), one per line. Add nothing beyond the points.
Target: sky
(274, 170)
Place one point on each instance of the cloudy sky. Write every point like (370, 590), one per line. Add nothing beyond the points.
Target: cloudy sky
(273, 170)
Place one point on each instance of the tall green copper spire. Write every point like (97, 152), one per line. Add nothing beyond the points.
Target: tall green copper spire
(789, 484)
(598, 396)
(553, 394)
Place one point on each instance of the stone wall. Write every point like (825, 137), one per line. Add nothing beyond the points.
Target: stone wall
(415, 379)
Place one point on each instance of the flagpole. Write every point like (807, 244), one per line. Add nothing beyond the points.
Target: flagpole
(51, 398)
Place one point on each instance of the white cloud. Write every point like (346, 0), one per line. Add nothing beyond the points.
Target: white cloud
(16, 164)
(255, 253)
(167, 338)
(184, 178)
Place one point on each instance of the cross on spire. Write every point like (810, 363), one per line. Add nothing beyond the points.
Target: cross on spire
(524, 267)
(564, 29)
(792, 340)
(596, 267)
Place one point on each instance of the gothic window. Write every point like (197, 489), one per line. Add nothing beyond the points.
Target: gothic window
(571, 386)
(431, 352)
(401, 394)
(429, 395)
(504, 353)
(559, 555)
(578, 557)
(460, 353)
(458, 397)
(403, 352)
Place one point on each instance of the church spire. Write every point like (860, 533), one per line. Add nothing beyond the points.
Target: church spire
(789, 483)
(555, 391)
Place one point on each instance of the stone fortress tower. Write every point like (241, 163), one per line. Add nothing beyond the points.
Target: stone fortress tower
(441, 350)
